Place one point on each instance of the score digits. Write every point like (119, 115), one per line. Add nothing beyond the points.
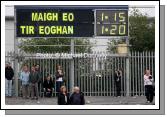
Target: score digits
(112, 22)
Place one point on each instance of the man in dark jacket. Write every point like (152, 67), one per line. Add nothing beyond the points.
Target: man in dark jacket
(117, 78)
(37, 69)
(48, 86)
(9, 73)
(77, 98)
(33, 80)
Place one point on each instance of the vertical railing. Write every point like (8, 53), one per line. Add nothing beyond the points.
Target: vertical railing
(93, 78)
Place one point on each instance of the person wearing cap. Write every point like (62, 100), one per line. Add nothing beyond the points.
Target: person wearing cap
(9, 74)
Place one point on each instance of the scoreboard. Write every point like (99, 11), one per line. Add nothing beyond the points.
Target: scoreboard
(111, 23)
(80, 21)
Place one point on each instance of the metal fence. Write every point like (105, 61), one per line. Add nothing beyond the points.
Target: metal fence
(94, 73)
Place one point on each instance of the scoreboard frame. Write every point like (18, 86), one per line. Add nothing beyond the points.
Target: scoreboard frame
(107, 36)
(94, 8)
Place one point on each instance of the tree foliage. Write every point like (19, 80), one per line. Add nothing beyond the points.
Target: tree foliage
(53, 45)
(141, 31)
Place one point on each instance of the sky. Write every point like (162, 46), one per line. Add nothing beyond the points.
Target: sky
(9, 10)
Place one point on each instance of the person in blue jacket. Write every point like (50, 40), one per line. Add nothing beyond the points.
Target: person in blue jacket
(24, 77)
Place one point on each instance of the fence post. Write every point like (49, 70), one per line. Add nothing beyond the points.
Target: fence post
(72, 67)
(15, 57)
(127, 70)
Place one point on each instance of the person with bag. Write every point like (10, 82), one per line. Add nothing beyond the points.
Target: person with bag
(149, 89)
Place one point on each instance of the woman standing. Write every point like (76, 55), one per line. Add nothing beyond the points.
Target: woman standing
(148, 83)
(59, 78)
(63, 97)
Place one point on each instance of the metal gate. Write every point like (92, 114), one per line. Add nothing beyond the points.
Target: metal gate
(94, 74)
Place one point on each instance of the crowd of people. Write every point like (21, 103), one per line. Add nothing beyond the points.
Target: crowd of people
(31, 80)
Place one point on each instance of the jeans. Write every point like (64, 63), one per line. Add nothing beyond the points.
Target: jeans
(118, 88)
(58, 86)
(149, 92)
(8, 87)
(25, 90)
(34, 90)
(48, 93)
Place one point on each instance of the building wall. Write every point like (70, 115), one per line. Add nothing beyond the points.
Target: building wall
(9, 35)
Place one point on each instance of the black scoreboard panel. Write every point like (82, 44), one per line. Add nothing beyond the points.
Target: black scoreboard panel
(46, 22)
(73, 21)
(111, 22)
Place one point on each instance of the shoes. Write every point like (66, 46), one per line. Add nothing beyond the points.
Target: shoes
(148, 102)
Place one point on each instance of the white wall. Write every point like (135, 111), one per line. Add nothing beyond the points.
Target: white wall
(9, 35)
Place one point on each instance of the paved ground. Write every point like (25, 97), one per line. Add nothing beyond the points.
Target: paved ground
(138, 100)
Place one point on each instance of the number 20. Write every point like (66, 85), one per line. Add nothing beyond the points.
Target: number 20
(120, 28)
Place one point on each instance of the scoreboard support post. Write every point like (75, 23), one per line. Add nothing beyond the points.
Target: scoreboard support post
(127, 69)
(15, 58)
(72, 66)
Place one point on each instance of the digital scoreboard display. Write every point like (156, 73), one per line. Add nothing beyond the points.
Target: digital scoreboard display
(73, 21)
(112, 22)
(52, 22)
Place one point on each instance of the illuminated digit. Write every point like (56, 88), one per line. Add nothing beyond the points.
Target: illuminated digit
(102, 30)
(121, 17)
(113, 29)
(115, 17)
(102, 16)
(122, 29)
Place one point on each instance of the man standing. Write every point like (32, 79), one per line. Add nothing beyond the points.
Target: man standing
(33, 80)
(117, 78)
(37, 69)
(24, 77)
(9, 73)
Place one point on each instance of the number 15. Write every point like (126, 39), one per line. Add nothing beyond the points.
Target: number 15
(121, 17)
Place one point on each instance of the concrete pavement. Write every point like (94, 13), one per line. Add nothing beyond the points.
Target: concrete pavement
(90, 100)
